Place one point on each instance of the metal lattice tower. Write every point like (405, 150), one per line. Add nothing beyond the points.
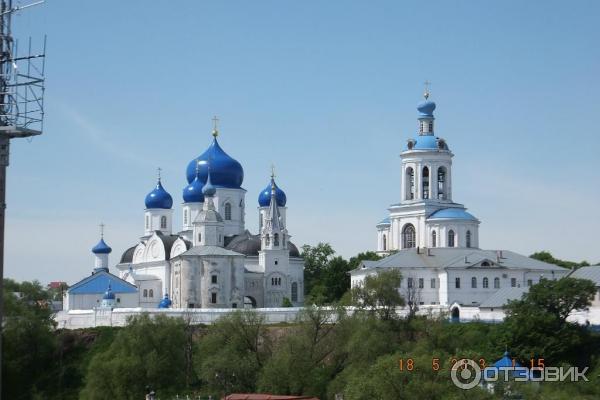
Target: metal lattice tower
(21, 109)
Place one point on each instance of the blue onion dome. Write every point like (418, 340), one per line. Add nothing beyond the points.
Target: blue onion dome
(426, 108)
(226, 172)
(101, 248)
(192, 193)
(108, 295)
(159, 198)
(165, 302)
(264, 198)
(209, 190)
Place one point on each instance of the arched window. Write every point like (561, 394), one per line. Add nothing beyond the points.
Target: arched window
(145, 292)
(185, 217)
(408, 236)
(151, 293)
(421, 126)
(410, 184)
(199, 237)
(267, 240)
(496, 283)
(276, 239)
(450, 238)
(486, 283)
(431, 127)
(468, 238)
(384, 242)
(294, 291)
(163, 222)
(441, 183)
(474, 283)
(228, 211)
(425, 180)
(433, 239)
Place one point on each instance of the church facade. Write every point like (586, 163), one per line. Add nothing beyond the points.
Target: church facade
(212, 261)
(434, 241)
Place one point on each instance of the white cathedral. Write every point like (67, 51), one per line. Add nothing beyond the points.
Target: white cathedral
(213, 261)
(434, 241)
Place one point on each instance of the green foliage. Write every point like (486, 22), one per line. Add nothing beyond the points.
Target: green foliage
(326, 277)
(146, 352)
(286, 302)
(380, 294)
(536, 326)
(28, 343)
(546, 256)
(229, 358)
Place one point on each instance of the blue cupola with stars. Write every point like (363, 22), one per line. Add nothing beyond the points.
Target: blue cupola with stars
(159, 197)
(226, 172)
(264, 198)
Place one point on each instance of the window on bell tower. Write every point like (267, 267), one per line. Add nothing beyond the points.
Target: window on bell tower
(441, 183)
(410, 183)
(425, 182)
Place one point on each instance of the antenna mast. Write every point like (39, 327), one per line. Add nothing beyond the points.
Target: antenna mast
(21, 109)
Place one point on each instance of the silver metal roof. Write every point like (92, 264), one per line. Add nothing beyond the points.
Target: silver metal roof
(447, 257)
(502, 296)
(592, 273)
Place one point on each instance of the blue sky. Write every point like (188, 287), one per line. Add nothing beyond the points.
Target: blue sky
(325, 90)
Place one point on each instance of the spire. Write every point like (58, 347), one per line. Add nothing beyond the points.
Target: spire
(208, 190)
(215, 131)
(273, 218)
(158, 170)
(101, 230)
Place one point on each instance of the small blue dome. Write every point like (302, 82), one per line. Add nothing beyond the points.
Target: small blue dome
(108, 295)
(426, 108)
(159, 198)
(165, 302)
(452, 213)
(209, 190)
(225, 171)
(264, 198)
(192, 193)
(425, 142)
(101, 248)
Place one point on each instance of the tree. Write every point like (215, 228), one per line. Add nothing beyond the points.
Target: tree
(148, 352)
(316, 259)
(232, 353)
(306, 358)
(380, 294)
(28, 342)
(537, 326)
(546, 256)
